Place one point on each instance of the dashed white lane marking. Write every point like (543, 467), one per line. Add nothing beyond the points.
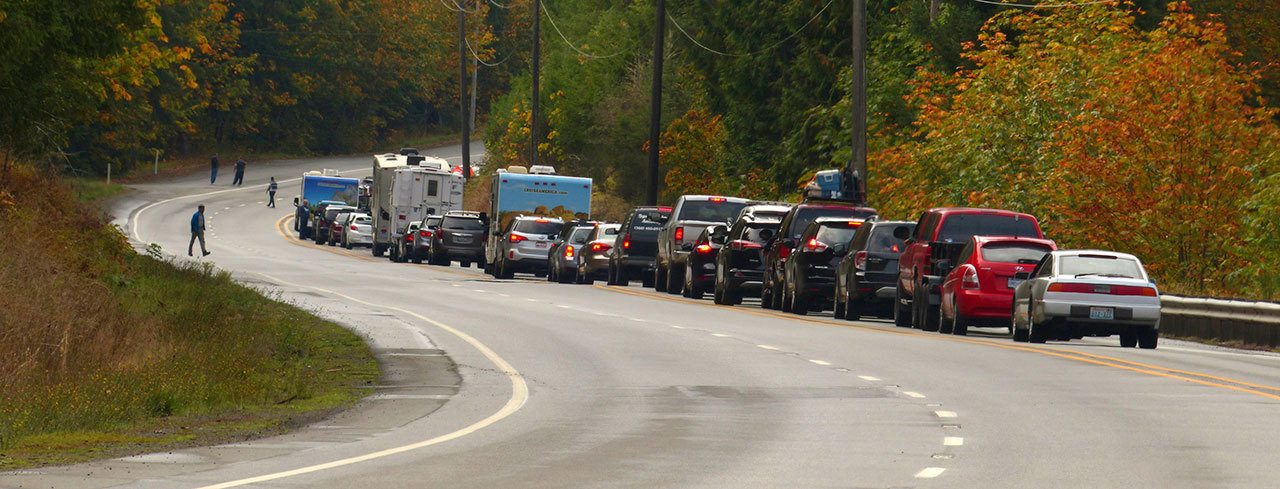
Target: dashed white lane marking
(820, 362)
(562, 306)
(720, 335)
(952, 441)
(226, 208)
(638, 320)
(479, 291)
(869, 378)
(930, 473)
(916, 395)
(945, 414)
(767, 347)
(504, 295)
(532, 300)
(456, 285)
(677, 326)
(241, 205)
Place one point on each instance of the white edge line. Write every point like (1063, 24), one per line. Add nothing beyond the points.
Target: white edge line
(945, 414)
(930, 473)
(767, 347)
(916, 395)
(820, 362)
(952, 441)
(869, 378)
(519, 395)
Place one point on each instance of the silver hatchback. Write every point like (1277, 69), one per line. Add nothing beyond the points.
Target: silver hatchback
(524, 245)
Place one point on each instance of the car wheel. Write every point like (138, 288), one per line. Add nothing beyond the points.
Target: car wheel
(551, 273)
(901, 313)
(838, 306)
(504, 270)
(1128, 339)
(675, 280)
(959, 324)
(852, 309)
(660, 278)
(929, 317)
(1037, 333)
(799, 303)
(646, 279)
(945, 324)
(766, 294)
(377, 250)
(466, 263)
(417, 259)
(1148, 337)
(610, 275)
(695, 289)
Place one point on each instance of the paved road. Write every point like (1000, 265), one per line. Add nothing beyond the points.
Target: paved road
(591, 386)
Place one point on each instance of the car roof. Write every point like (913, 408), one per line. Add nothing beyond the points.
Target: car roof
(978, 210)
(539, 218)
(833, 204)
(709, 197)
(981, 240)
(1115, 254)
(659, 208)
(462, 214)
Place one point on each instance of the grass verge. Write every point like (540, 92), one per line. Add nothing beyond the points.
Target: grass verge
(105, 352)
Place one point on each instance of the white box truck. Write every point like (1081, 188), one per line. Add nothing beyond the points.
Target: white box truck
(421, 186)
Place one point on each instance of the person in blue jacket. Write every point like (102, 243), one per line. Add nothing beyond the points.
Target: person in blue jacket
(197, 231)
(300, 219)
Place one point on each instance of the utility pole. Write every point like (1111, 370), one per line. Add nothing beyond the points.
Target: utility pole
(655, 101)
(537, 53)
(462, 91)
(857, 188)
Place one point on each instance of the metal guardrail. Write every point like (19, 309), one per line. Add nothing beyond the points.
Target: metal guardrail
(1255, 323)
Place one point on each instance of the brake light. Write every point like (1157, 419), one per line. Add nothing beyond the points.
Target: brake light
(860, 260)
(680, 233)
(784, 252)
(742, 244)
(626, 242)
(815, 246)
(702, 248)
(568, 251)
(855, 224)
(600, 247)
(425, 233)
(516, 238)
(970, 279)
(1103, 289)
(717, 200)
(541, 221)
(408, 237)
(895, 249)
(353, 227)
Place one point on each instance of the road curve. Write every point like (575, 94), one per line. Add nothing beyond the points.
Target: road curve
(594, 386)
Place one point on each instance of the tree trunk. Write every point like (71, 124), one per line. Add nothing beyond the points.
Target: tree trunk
(934, 5)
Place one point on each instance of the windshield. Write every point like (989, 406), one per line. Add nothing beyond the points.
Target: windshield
(835, 234)
(958, 228)
(462, 223)
(579, 235)
(1024, 253)
(538, 226)
(882, 239)
(710, 211)
(807, 215)
(1100, 265)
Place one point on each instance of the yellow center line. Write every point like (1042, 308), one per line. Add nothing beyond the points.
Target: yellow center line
(1153, 370)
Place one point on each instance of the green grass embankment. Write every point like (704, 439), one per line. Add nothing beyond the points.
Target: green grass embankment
(105, 352)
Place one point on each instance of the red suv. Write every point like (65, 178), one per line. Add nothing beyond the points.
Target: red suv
(932, 251)
(979, 290)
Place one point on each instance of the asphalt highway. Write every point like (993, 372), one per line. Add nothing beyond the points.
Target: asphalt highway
(524, 383)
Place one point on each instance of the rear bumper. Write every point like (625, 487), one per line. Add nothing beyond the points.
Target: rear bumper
(595, 263)
(984, 305)
(462, 253)
(1077, 312)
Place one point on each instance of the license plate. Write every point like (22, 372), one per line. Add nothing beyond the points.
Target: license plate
(1015, 282)
(542, 245)
(461, 240)
(1104, 313)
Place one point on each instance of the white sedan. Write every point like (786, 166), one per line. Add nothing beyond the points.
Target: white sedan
(357, 230)
(1073, 293)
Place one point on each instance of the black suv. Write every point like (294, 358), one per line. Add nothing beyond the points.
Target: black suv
(810, 272)
(636, 246)
(740, 261)
(322, 222)
(461, 237)
(782, 245)
(867, 278)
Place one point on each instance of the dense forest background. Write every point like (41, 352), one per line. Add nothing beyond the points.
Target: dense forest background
(1140, 125)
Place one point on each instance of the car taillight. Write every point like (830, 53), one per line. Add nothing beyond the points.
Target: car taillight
(516, 238)
(970, 279)
(353, 227)
(408, 237)
(702, 248)
(815, 246)
(1103, 289)
(860, 260)
(600, 247)
(568, 251)
(784, 252)
(424, 233)
(626, 242)
(680, 234)
(743, 244)
(717, 200)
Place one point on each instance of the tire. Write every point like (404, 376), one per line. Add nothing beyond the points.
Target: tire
(852, 309)
(799, 303)
(766, 294)
(945, 325)
(1128, 339)
(466, 263)
(377, 250)
(786, 299)
(675, 280)
(646, 280)
(660, 278)
(694, 290)
(838, 307)
(612, 274)
(926, 318)
(504, 270)
(1148, 338)
(729, 296)
(1038, 333)
(417, 260)
(901, 315)
(959, 325)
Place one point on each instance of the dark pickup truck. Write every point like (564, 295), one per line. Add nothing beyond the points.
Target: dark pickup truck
(932, 251)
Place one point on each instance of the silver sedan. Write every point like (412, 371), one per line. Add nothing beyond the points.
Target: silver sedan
(1074, 293)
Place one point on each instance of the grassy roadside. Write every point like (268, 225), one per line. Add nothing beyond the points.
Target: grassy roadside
(105, 352)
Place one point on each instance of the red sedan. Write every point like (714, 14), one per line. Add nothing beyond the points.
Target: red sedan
(979, 289)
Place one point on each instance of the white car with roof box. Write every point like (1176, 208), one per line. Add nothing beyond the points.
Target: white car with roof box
(1074, 293)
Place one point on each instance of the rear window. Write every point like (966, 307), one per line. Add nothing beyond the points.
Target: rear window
(759, 232)
(649, 217)
(806, 215)
(433, 222)
(958, 228)
(1024, 253)
(835, 234)
(706, 210)
(364, 220)
(610, 231)
(540, 226)
(1100, 265)
(882, 240)
(462, 223)
(579, 235)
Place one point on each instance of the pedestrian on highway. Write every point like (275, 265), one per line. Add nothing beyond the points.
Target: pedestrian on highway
(197, 232)
(239, 180)
(213, 169)
(271, 193)
(300, 220)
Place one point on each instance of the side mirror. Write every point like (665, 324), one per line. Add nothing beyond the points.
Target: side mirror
(902, 232)
(719, 238)
(1022, 275)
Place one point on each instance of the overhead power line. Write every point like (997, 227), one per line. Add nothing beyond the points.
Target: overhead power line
(570, 43)
(772, 46)
(483, 62)
(1044, 5)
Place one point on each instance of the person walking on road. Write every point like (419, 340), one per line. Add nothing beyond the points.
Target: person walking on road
(239, 180)
(197, 232)
(213, 169)
(271, 193)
